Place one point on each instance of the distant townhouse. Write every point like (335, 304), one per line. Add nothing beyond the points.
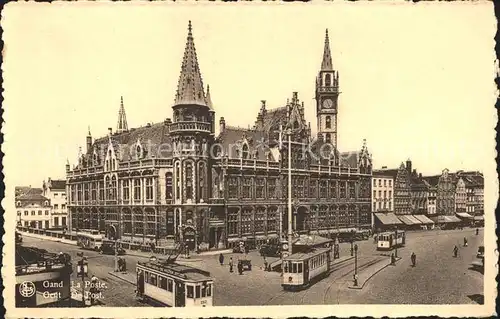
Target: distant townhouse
(33, 209)
(419, 193)
(55, 191)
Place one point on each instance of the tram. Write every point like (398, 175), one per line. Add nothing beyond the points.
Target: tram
(301, 270)
(391, 240)
(167, 283)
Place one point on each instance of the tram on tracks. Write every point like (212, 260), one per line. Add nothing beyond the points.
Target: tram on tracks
(391, 240)
(167, 283)
(301, 270)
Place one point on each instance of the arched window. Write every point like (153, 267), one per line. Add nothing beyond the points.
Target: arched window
(328, 138)
(189, 180)
(244, 151)
(138, 151)
(168, 183)
(201, 181)
(177, 181)
(328, 79)
(328, 122)
(113, 187)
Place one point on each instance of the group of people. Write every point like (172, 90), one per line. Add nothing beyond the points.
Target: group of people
(466, 243)
(231, 264)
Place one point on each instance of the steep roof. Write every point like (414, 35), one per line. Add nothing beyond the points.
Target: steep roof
(432, 180)
(124, 142)
(393, 172)
(57, 184)
(190, 86)
(326, 63)
(232, 138)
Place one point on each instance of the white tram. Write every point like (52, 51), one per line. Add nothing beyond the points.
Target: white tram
(390, 240)
(302, 269)
(169, 284)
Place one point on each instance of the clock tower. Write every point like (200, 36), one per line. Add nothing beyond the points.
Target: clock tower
(327, 94)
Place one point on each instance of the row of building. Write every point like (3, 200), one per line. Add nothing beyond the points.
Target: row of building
(178, 180)
(43, 208)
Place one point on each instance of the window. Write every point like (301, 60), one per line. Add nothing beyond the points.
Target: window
(390, 194)
(259, 187)
(25, 213)
(313, 189)
(385, 182)
(374, 194)
(209, 290)
(85, 191)
(328, 138)
(390, 182)
(114, 186)
(385, 194)
(233, 187)
(56, 206)
(149, 188)
(374, 182)
(162, 282)
(190, 291)
(55, 194)
(328, 79)
(189, 180)
(244, 151)
(18, 213)
(380, 194)
(201, 181)
(126, 190)
(137, 189)
(342, 190)
(323, 189)
(46, 212)
(379, 182)
(232, 223)
(177, 181)
(299, 268)
(39, 212)
(247, 187)
(271, 188)
(352, 190)
(198, 292)
(170, 285)
(328, 122)
(168, 188)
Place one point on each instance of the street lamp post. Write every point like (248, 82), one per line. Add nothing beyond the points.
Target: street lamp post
(82, 271)
(396, 243)
(356, 265)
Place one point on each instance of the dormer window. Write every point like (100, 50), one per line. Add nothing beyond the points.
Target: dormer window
(18, 204)
(138, 151)
(244, 151)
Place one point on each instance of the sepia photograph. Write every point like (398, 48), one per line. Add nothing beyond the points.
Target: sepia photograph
(283, 157)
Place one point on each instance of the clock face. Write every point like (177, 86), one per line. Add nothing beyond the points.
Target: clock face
(327, 104)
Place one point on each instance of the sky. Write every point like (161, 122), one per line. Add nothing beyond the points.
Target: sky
(416, 79)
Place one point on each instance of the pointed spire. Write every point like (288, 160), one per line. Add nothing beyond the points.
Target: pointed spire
(208, 99)
(122, 118)
(89, 132)
(190, 86)
(326, 64)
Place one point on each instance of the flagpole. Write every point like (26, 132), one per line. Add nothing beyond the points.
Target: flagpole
(290, 217)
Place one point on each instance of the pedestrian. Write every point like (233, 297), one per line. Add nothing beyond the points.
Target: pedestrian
(413, 259)
(455, 251)
(240, 267)
(393, 259)
(265, 264)
(230, 264)
(477, 231)
(221, 259)
(465, 242)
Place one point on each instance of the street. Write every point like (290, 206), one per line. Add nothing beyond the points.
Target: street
(438, 277)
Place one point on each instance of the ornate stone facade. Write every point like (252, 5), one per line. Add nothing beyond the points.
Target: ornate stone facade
(176, 180)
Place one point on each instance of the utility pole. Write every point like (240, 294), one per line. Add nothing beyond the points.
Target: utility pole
(290, 213)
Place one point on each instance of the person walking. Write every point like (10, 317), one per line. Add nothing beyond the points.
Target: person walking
(455, 251)
(221, 259)
(231, 264)
(265, 263)
(240, 267)
(477, 231)
(413, 259)
(465, 242)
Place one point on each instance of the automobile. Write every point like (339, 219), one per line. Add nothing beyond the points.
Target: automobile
(19, 238)
(480, 252)
(269, 250)
(478, 265)
(108, 248)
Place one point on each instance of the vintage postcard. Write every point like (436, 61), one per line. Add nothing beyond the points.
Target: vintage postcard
(262, 159)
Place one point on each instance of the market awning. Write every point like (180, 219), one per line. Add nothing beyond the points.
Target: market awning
(406, 220)
(479, 218)
(424, 219)
(388, 218)
(453, 219)
(312, 240)
(414, 220)
(464, 215)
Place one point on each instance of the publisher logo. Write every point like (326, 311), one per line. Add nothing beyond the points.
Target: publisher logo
(27, 289)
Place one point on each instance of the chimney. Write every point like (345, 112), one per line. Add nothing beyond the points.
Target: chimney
(384, 167)
(222, 125)
(110, 130)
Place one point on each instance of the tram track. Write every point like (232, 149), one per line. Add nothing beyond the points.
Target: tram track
(360, 267)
